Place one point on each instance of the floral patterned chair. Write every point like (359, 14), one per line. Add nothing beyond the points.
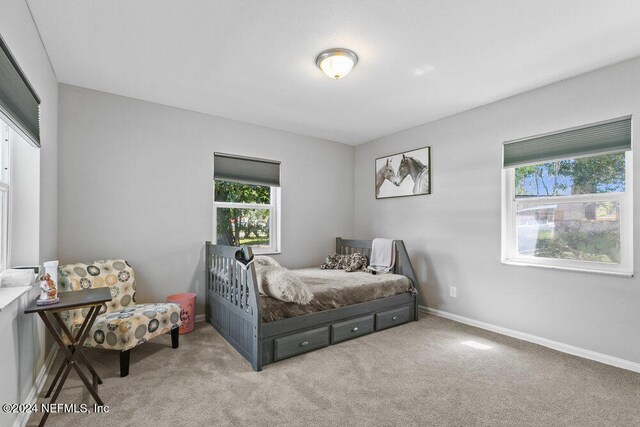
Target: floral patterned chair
(122, 324)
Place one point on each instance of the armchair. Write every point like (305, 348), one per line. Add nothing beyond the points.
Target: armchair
(122, 324)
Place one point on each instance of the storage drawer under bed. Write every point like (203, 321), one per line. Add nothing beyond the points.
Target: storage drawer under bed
(394, 317)
(351, 329)
(300, 343)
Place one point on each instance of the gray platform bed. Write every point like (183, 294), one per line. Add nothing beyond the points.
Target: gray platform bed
(233, 309)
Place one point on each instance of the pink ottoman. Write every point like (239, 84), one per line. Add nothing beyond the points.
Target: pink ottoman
(187, 303)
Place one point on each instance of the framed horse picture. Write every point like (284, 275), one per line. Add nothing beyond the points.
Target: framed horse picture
(404, 174)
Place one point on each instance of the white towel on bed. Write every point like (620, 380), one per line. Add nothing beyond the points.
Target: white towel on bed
(383, 256)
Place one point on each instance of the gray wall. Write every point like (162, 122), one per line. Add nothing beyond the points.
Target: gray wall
(23, 337)
(136, 182)
(453, 235)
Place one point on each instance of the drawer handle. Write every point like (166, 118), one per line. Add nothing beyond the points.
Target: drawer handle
(394, 318)
(303, 343)
(355, 329)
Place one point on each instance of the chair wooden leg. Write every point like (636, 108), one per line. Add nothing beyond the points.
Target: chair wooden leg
(175, 334)
(124, 363)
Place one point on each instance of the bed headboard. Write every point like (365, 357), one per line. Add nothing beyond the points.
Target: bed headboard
(403, 263)
(349, 246)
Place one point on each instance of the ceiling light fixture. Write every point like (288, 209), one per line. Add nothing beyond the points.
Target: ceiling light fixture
(336, 63)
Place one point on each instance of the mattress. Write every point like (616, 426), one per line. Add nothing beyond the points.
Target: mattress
(334, 289)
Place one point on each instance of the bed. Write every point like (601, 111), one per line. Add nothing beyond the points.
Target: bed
(347, 305)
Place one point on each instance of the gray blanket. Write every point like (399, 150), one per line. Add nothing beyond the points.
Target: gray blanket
(333, 289)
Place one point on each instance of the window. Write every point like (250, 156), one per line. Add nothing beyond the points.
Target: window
(6, 133)
(19, 123)
(573, 212)
(246, 207)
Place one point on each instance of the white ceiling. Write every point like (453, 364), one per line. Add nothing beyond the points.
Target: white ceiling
(254, 61)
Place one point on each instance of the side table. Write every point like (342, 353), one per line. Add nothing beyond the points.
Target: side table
(92, 298)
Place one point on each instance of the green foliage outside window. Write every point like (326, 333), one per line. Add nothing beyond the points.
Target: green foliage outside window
(241, 226)
(587, 231)
(588, 175)
(603, 246)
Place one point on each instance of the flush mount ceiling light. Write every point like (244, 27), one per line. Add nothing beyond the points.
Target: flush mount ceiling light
(336, 63)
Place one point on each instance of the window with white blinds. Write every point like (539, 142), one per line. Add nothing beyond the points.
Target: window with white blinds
(246, 202)
(567, 199)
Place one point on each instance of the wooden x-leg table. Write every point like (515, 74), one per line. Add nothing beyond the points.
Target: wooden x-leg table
(91, 298)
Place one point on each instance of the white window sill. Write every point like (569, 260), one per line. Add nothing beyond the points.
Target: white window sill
(267, 253)
(560, 267)
(9, 294)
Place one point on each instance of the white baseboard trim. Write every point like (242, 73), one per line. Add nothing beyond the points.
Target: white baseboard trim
(200, 318)
(556, 345)
(41, 379)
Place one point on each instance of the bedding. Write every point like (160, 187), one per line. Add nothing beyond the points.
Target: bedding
(265, 261)
(280, 283)
(333, 289)
(383, 256)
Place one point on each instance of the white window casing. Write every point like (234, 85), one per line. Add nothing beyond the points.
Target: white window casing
(5, 196)
(510, 206)
(274, 220)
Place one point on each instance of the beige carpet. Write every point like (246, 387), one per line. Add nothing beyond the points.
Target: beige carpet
(418, 373)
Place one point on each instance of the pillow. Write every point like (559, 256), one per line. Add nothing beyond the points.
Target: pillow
(265, 261)
(334, 262)
(282, 284)
(348, 263)
(356, 262)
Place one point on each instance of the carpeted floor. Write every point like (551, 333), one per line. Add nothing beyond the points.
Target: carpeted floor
(418, 373)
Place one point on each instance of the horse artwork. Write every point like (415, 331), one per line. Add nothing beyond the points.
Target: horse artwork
(384, 173)
(415, 165)
(417, 170)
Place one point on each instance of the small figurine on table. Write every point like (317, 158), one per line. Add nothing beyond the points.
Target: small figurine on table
(48, 291)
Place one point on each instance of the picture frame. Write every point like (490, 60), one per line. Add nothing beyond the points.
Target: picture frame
(403, 174)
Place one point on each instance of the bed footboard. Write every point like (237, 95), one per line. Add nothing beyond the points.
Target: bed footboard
(232, 306)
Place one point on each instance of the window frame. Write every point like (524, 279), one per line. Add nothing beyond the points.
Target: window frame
(274, 219)
(7, 138)
(509, 239)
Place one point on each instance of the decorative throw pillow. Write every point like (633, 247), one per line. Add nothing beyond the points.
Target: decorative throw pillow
(334, 262)
(356, 262)
(281, 283)
(348, 263)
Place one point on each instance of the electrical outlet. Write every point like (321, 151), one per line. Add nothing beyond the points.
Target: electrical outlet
(453, 292)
